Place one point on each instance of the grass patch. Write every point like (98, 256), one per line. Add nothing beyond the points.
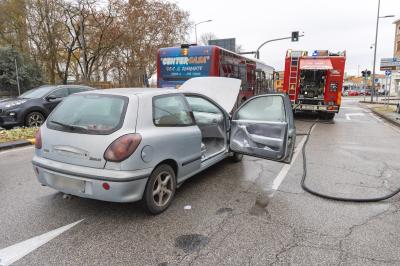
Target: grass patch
(17, 134)
(385, 109)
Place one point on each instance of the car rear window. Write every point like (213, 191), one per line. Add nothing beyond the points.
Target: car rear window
(89, 114)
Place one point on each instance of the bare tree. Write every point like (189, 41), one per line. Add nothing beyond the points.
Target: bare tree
(45, 31)
(114, 39)
(147, 26)
(205, 37)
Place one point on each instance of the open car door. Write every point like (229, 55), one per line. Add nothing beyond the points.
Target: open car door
(264, 127)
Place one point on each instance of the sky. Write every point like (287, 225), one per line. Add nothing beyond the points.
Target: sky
(327, 25)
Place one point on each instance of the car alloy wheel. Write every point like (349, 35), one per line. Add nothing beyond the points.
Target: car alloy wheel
(160, 189)
(34, 119)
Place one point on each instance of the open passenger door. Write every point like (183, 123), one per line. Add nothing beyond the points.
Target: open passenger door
(264, 127)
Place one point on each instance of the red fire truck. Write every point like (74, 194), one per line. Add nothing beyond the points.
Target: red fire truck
(314, 83)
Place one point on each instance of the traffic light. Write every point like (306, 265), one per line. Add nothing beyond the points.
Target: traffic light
(366, 73)
(295, 36)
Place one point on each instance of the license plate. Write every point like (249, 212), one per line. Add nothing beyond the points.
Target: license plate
(68, 183)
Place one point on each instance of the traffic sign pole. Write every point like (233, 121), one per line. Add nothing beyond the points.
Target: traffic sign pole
(386, 96)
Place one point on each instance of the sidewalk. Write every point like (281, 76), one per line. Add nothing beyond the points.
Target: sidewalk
(386, 112)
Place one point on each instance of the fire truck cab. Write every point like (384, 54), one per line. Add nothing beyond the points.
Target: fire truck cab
(314, 83)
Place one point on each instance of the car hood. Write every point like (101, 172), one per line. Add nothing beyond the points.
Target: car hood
(4, 102)
(223, 91)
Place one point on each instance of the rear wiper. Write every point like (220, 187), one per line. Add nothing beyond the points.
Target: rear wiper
(71, 127)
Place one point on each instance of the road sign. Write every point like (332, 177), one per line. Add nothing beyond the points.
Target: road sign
(390, 64)
(388, 72)
(228, 44)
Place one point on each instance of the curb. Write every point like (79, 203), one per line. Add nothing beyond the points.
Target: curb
(366, 102)
(393, 122)
(16, 144)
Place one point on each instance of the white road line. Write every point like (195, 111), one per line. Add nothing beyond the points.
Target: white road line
(395, 128)
(285, 169)
(352, 108)
(375, 117)
(17, 251)
(353, 114)
(16, 150)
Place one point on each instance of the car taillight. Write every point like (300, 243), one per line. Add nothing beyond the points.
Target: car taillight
(122, 147)
(38, 140)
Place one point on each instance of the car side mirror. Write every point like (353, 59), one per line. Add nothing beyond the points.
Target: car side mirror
(263, 127)
(51, 98)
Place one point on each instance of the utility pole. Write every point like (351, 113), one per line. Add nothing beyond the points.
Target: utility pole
(375, 47)
(376, 42)
(16, 71)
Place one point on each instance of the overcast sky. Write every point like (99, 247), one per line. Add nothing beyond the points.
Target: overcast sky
(335, 25)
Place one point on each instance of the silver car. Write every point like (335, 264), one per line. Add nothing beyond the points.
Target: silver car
(126, 145)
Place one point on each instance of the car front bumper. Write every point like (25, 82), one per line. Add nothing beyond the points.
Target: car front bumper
(86, 182)
(9, 118)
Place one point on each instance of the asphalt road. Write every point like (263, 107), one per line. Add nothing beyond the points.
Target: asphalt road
(236, 217)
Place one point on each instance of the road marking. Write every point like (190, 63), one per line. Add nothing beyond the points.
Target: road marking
(16, 150)
(17, 251)
(285, 169)
(352, 108)
(353, 114)
(375, 117)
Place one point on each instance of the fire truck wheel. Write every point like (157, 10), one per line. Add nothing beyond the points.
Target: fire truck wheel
(327, 116)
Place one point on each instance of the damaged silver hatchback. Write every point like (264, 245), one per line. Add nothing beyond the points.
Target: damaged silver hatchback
(126, 145)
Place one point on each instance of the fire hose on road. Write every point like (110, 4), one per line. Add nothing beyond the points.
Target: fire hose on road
(321, 195)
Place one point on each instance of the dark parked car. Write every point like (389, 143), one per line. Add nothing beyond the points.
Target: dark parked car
(32, 107)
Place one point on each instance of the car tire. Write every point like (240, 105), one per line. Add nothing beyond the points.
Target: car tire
(34, 119)
(163, 180)
(236, 157)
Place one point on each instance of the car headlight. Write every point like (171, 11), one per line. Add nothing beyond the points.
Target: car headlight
(15, 103)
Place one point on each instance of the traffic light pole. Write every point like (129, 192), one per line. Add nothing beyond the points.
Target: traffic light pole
(273, 40)
(365, 84)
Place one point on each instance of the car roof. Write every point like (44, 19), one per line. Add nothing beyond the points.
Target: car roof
(134, 91)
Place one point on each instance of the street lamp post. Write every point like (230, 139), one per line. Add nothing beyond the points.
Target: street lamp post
(195, 26)
(375, 46)
(17, 75)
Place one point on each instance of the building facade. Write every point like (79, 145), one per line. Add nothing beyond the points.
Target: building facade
(395, 88)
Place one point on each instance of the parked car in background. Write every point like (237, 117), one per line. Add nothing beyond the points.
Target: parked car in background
(398, 108)
(32, 107)
(126, 145)
(353, 93)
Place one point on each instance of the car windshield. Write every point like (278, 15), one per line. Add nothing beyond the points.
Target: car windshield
(89, 113)
(36, 93)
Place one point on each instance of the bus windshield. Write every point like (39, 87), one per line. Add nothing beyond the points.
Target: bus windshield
(176, 65)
